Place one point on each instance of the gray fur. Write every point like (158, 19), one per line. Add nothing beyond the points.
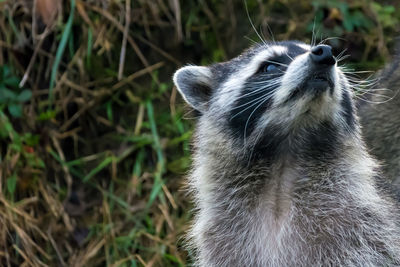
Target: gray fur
(314, 201)
(380, 118)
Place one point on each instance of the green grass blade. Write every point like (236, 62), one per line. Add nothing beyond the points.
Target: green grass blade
(89, 48)
(60, 49)
(158, 182)
(100, 167)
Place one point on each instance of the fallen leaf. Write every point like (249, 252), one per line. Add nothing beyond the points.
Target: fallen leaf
(47, 9)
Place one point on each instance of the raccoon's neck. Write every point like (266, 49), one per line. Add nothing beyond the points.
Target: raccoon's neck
(290, 209)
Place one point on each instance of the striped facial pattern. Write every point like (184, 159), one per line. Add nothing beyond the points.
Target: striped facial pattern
(272, 93)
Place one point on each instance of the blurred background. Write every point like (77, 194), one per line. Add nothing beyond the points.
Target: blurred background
(95, 141)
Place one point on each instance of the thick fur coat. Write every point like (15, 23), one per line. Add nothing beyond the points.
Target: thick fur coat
(281, 176)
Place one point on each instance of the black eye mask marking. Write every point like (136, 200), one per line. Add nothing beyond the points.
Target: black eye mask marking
(255, 100)
(257, 94)
(279, 64)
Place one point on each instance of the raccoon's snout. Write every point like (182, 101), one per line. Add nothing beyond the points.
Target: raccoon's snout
(320, 75)
(322, 55)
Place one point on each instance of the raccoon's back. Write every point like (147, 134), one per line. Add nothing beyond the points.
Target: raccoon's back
(380, 120)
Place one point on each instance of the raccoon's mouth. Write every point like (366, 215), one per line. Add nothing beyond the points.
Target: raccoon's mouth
(321, 78)
(318, 83)
(315, 84)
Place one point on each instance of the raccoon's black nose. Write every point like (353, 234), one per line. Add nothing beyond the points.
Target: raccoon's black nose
(322, 54)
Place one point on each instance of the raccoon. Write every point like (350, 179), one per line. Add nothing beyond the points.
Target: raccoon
(380, 120)
(281, 175)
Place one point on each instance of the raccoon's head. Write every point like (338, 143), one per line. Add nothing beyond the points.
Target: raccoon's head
(283, 97)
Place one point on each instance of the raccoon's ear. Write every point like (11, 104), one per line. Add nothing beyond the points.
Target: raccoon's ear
(194, 84)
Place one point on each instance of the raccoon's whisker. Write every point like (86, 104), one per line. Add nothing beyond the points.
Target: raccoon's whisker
(359, 83)
(289, 56)
(373, 92)
(251, 40)
(345, 125)
(361, 71)
(275, 78)
(267, 85)
(342, 58)
(282, 72)
(258, 91)
(263, 87)
(361, 90)
(252, 24)
(341, 53)
(355, 81)
(270, 33)
(277, 63)
(266, 97)
(254, 146)
(260, 30)
(313, 34)
(257, 102)
(362, 84)
(253, 100)
(320, 35)
(374, 102)
(365, 100)
(378, 95)
(268, 82)
(356, 77)
(251, 94)
(317, 32)
(378, 89)
(243, 110)
(330, 38)
(266, 88)
(345, 69)
(251, 114)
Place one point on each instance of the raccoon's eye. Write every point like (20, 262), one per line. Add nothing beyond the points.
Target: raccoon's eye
(269, 67)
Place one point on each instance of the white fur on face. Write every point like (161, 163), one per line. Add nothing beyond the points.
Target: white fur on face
(297, 73)
(304, 46)
(285, 114)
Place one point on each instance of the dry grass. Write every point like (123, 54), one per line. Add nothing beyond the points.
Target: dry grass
(93, 144)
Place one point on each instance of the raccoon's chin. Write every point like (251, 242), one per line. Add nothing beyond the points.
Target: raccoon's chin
(319, 84)
(313, 86)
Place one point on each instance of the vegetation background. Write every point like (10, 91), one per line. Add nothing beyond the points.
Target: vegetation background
(95, 142)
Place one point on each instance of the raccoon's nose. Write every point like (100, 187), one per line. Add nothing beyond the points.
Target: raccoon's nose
(322, 54)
